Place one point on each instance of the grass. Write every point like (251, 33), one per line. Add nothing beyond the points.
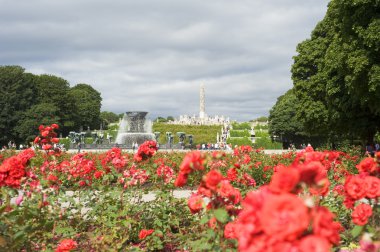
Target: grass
(201, 133)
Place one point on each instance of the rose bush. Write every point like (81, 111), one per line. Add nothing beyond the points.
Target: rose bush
(245, 200)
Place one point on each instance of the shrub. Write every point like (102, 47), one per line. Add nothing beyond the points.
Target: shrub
(241, 126)
(239, 141)
(267, 143)
(240, 133)
(66, 142)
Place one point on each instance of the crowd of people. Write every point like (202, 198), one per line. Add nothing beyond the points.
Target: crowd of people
(371, 149)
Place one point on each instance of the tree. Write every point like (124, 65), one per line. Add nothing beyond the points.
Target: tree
(161, 119)
(336, 73)
(261, 119)
(55, 90)
(43, 113)
(88, 103)
(17, 94)
(108, 117)
(283, 122)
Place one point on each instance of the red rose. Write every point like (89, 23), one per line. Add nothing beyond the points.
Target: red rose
(212, 179)
(36, 140)
(309, 149)
(52, 178)
(248, 180)
(192, 161)
(367, 165)
(229, 231)
(361, 214)
(66, 245)
(312, 172)
(146, 150)
(55, 126)
(98, 174)
(355, 187)
(284, 180)
(227, 191)
(47, 146)
(349, 202)
(195, 203)
(284, 216)
(314, 243)
(144, 233)
(45, 133)
(232, 174)
(321, 189)
(181, 180)
(372, 187)
(82, 183)
(55, 140)
(325, 226)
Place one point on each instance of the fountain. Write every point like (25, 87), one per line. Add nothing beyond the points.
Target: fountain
(134, 128)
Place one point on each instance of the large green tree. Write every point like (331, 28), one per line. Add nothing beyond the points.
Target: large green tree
(282, 119)
(336, 73)
(43, 113)
(17, 94)
(56, 91)
(88, 103)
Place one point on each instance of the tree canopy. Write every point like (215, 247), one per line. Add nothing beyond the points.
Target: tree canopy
(283, 123)
(88, 102)
(336, 73)
(107, 117)
(43, 113)
(27, 100)
(17, 94)
(56, 91)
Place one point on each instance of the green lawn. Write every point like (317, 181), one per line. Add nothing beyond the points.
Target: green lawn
(201, 133)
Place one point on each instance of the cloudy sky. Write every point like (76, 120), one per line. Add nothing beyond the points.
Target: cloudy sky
(152, 55)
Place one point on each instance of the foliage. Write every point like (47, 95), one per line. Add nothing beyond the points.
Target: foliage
(201, 133)
(336, 73)
(88, 102)
(267, 143)
(103, 202)
(161, 120)
(108, 117)
(55, 90)
(261, 133)
(261, 127)
(17, 94)
(112, 130)
(239, 141)
(261, 119)
(66, 142)
(26, 100)
(283, 123)
(240, 133)
(241, 126)
(43, 113)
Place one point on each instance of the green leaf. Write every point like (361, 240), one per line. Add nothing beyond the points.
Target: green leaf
(19, 236)
(204, 220)
(221, 215)
(355, 232)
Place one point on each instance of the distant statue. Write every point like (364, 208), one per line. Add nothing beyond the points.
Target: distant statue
(191, 139)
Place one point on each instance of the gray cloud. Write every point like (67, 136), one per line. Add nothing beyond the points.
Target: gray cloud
(153, 55)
